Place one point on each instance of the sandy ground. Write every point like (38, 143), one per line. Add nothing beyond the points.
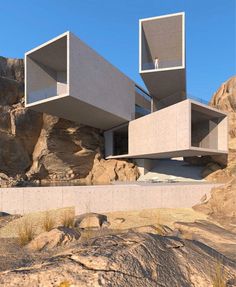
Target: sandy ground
(165, 216)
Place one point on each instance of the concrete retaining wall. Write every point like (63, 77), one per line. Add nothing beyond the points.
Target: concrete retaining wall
(102, 198)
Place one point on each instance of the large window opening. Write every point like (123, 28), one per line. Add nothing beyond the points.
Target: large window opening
(204, 128)
(142, 102)
(46, 71)
(162, 38)
(120, 141)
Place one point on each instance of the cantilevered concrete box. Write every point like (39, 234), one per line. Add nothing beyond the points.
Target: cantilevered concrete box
(163, 37)
(185, 129)
(66, 78)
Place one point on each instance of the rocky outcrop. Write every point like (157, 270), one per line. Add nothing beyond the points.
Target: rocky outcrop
(130, 259)
(59, 236)
(104, 171)
(90, 220)
(221, 205)
(12, 69)
(43, 147)
(225, 100)
(215, 236)
(19, 128)
(64, 150)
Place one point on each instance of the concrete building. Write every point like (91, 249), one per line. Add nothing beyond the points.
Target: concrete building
(66, 78)
(163, 37)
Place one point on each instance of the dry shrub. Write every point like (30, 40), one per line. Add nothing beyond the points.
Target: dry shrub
(67, 219)
(48, 222)
(25, 232)
(218, 279)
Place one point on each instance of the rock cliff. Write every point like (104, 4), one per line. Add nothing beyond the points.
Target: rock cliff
(38, 146)
(225, 100)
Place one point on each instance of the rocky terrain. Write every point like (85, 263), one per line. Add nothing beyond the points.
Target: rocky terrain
(93, 254)
(41, 147)
(140, 248)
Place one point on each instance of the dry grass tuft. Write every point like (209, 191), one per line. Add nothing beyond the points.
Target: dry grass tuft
(25, 232)
(67, 219)
(218, 280)
(48, 222)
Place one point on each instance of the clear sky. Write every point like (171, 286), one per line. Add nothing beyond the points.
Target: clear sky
(111, 28)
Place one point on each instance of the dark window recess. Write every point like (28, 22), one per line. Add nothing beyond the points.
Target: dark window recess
(140, 111)
(120, 140)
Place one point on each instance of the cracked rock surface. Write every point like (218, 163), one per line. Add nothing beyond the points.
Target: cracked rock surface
(130, 259)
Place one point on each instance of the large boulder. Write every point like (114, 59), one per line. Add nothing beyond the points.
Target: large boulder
(221, 205)
(105, 171)
(225, 100)
(129, 259)
(56, 237)
(90, 220)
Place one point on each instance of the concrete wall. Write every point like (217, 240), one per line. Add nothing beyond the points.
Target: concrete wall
(162, 37)
(85, 88)
(41, 82)
(223, 134)
(95, 81)
(102, 198)
(162, 131)
(205, 134)
(45, 71)
(209, 127)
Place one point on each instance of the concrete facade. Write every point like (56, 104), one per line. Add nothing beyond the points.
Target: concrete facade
(66, 78)
(187, 128)
(163, 37)
(102, 198)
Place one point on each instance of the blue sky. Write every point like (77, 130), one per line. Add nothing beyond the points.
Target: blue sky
(111, 28)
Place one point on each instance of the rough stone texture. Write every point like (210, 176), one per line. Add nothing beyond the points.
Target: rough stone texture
(64, 150)
(215, 236)
(6, 181)
(90, 220)
(131, 259)
(47, 148)
(160, 229)
(59, 236)
(222, 204)
(111, 170)
(12, 69)
(225, 100)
